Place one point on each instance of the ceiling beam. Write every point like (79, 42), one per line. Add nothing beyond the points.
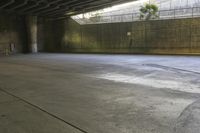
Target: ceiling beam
(19, 5)
(84, 9)
(7, 4)
(71, 8)
(36, 4)
(65, 7)
(53, 8)
(49, 4)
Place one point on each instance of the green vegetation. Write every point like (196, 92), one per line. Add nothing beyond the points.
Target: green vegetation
(96, 17)
(148, 11)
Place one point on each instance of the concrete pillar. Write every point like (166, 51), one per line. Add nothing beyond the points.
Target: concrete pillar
(31, 22)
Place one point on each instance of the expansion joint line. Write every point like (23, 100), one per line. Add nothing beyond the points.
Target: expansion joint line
(39, 108)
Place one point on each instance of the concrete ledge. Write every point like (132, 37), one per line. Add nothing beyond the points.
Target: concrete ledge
(164, 51)
(189, 120)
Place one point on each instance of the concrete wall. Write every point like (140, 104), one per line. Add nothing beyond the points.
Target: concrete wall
(41, 34)
(66, 36)
(32, 33)
(47, 36)
(12, 31)
(181, 36)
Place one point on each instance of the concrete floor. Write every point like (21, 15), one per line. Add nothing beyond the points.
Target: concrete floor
(72, 93)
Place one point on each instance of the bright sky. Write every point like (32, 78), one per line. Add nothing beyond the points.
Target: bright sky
(113, 8)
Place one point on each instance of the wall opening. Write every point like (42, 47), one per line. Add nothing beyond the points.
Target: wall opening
(129, 12)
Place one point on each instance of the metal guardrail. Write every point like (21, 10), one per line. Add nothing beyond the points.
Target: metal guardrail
(162, 14)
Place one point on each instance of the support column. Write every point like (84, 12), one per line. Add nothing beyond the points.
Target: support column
(31, 22)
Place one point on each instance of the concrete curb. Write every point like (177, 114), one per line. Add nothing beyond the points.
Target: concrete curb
(189, 120)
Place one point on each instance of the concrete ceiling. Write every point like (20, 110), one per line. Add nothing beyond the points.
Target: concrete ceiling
(55, 8)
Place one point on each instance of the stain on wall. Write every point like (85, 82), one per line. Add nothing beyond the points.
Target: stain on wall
(12, 34)
(181, 36)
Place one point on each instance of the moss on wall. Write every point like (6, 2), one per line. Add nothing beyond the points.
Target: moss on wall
(181, 36)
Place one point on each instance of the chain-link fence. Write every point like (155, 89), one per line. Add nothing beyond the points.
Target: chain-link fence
(131, 17)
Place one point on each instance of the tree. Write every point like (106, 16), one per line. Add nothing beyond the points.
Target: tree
(96, 16)
(149, 11)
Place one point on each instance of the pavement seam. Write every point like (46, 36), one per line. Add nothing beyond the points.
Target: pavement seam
(52, 115)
